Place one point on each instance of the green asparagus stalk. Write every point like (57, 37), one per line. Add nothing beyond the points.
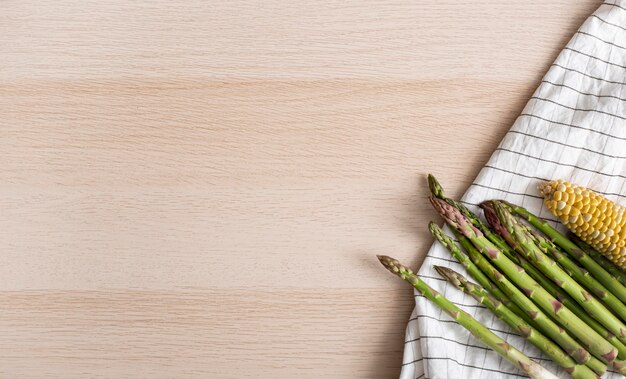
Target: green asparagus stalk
(485, 335)
(600, 259)
(601, 274)
(539, 319)
(518, 324)
(582, 276)
(549, 286)
(590, 338)
(473, 270)
(527, 248)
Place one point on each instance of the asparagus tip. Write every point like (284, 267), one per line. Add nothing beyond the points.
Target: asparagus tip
(394, 265)
(486, 204)
(443, 271)
(449, 274)
(434, 228)
(435, 187)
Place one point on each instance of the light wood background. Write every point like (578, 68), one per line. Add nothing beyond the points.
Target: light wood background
(198, 189)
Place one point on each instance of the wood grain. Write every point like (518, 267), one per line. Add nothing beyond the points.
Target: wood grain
(198, 189)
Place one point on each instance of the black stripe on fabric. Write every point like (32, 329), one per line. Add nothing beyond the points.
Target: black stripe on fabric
(593, 57)
(573, 126)
(534, 177)
(580, 92)
(509, 192)
(607, 22)
(515, 173)
(444, 259)
(466, 365)
(566, 145)
(455, 341)
(430, 277)
(587, 75)
(423, 376)
(615, 5)
(415, 361)
(559, 163)
(578, 109)
(471, 345)
(478, 306)
(600, 39)
(507, 332)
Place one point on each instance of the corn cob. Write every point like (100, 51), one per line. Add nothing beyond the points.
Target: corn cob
(514, 321)
(592, 217)
(519, 359)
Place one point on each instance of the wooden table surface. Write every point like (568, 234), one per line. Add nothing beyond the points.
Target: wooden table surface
(198, 189)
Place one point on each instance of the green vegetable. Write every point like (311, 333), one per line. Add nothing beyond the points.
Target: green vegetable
(473, 270)
(525, 245)
(594, 342)
(518, 324)
(600, 273)
(519, 359)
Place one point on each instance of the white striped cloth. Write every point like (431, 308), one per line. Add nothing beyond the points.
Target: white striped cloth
(574, 127)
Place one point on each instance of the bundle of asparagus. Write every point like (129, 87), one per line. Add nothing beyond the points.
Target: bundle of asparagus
(490, 339)
(559, 293)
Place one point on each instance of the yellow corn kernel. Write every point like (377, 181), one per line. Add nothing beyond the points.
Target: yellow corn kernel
(595, 219)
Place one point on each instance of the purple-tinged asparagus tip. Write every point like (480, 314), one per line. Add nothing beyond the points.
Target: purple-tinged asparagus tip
(492, 218)
(454, 218)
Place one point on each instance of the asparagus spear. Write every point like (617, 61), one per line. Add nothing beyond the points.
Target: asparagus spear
(600, 259)
(582, 276)
(590, 338)
(549, 286)
(544, 323)
(527, 247)
(518, 324)
(618, 289)
(473, 270)
(485, 335)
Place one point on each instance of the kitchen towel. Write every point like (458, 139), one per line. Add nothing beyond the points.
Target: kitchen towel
(573, 127)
